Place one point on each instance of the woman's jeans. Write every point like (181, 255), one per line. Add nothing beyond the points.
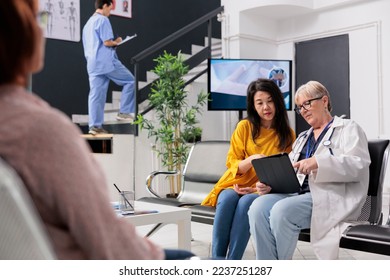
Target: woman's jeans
(173, 254)
(231, 225)
(275, 223)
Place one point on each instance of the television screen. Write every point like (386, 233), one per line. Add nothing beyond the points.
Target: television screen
(228, 80)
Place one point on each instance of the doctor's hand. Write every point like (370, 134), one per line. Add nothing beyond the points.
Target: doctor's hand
(262, 188)
(243, 190)
(306, 166)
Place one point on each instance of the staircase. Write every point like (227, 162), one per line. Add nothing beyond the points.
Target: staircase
(111, 109)
(196, 61)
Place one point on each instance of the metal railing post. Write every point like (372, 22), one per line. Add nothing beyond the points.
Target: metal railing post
(209, 35)
(136, 90)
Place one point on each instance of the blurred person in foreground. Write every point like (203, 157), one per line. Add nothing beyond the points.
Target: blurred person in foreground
(332, 160)
(65, 182)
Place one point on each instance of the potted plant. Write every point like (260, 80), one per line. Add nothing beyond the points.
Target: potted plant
(174, 116)
(192, 134)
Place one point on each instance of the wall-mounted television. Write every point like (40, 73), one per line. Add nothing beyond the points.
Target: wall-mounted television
(228, 80)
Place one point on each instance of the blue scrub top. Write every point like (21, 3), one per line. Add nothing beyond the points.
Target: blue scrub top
(100, 59)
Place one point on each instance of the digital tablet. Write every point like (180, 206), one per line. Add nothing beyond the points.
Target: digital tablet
(277, 172)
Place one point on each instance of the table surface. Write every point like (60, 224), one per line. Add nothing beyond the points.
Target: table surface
(165, 215)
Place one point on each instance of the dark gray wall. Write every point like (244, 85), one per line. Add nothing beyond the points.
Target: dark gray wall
(64, 80)
(325, 60)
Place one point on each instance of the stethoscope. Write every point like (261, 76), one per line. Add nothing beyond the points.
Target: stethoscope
(298, 146)
(300, 142)
(328, 143)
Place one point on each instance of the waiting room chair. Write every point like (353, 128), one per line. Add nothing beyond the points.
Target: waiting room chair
(373, 237)
(22, 234)
(205, 165)
(372, 208)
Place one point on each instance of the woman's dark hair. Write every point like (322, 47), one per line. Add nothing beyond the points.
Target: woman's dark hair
(100, 3)
(280, 121)
(18, 37)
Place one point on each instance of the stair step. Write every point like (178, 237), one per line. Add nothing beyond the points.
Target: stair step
(117, 128)
(99, 143)
(196, 48)
(151, 76)
(216, 50)
(109, 118)
(214, 41)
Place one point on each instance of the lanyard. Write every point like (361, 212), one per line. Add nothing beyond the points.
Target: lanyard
(311, 150)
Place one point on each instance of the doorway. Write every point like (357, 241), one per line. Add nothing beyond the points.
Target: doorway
(325, 60)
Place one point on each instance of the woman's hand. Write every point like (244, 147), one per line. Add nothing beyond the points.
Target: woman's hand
(246, 164)
(263, 188)
(306, 166)
(243, 190)
(255, 156)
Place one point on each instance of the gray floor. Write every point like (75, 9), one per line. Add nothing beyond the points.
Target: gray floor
(201, 233)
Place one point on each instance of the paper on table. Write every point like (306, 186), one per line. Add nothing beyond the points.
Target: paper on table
(127, 39)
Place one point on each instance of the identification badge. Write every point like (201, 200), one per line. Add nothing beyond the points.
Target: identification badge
(301, 178)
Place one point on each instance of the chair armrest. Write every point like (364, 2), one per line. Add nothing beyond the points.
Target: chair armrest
(151, 176)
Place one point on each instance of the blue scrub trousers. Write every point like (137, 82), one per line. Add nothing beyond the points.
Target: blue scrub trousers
(275, 223)
(98, 93)
(231, 225)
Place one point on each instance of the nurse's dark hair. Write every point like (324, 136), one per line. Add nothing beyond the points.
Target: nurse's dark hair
(100, 3)
(19, 33)
(280, 122)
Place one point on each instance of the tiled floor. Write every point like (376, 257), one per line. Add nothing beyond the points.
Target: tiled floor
(201, 243)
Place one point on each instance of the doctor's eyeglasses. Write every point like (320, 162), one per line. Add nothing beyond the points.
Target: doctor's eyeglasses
(305, 105)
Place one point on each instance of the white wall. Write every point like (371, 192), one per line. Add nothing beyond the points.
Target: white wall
(118, 166)
(258, 29)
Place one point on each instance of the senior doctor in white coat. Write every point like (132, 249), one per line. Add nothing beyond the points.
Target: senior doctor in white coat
(332, 161)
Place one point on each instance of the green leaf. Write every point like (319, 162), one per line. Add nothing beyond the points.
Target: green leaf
(175, 119)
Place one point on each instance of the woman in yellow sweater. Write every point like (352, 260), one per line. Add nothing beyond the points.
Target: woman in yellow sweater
(264, 132)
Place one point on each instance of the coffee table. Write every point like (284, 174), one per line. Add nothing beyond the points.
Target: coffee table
(165, 215)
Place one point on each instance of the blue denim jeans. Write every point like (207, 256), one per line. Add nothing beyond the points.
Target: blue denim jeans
(231, 225)
(173, 254)
(98, 93)
(275, 223)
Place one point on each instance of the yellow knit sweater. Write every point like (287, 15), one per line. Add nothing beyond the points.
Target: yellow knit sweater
(241, 147)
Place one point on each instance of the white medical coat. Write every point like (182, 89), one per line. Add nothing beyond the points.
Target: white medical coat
(339, 186)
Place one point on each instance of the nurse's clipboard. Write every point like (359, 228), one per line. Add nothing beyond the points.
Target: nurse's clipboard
(128, 38)
(277, 172)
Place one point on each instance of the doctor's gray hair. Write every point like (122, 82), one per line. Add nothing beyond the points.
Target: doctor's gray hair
(313, 89)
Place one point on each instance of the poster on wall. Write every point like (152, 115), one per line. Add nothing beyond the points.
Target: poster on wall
(121, 8)
(63, 19)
